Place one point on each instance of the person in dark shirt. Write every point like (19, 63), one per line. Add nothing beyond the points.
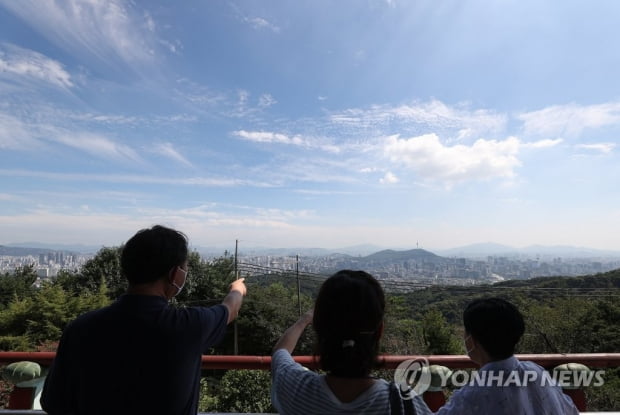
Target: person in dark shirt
(140, 355)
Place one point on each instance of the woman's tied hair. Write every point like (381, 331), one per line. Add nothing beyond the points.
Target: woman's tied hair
(348, 315)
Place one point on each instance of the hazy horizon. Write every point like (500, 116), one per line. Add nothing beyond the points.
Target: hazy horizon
(473, 250)
(311, 123)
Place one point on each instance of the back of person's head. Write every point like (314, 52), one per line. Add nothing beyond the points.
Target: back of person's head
(496, 324)
(348, 317)
(151, 253)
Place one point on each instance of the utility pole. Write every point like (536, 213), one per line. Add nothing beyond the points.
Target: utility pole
(298, 285)
(236, 346)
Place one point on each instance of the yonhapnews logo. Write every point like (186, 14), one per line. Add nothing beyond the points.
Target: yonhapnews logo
(413, 377)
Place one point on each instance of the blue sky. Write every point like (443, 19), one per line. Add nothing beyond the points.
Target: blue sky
(311, 123)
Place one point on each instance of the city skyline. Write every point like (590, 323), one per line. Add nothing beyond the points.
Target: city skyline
(317, 124)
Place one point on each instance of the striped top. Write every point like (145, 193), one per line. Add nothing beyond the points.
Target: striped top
(297, 390)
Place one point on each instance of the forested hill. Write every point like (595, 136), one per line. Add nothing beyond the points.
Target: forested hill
(609, 279)
(390, 255)
(386, 258)
(451, 300)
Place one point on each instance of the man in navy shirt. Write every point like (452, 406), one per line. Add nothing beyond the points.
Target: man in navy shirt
(140, 355)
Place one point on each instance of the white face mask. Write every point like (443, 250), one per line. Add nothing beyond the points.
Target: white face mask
(180, 288)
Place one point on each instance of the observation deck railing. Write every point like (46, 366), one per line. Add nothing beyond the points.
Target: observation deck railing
(226, 362)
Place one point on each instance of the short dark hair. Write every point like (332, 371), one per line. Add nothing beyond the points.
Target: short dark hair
(348, 313)
(496, 324)
(151, 253)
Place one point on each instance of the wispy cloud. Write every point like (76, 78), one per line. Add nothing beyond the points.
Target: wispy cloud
(167, 150)
(268, 137)
(105, 29)
(546, 143)
(20, 64)
(570, 120)
(261, 23)
(97, 145)
(16, 135)
(314, 192)
(605, 148)
(389, 178)
(430, 115)
(266, 101)
(23, 135)
(197, 94)
(432, 160)
(5, 197)
(135, 179)
(278, 138)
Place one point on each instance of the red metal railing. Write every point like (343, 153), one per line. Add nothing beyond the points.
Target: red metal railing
(548, 361)
(598, 360)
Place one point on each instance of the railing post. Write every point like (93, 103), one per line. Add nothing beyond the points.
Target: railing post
(28, 379)
(434, 396)
(569, 377)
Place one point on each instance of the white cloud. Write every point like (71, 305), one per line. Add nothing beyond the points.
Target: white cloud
(167, 150)
(570, 120)
(389, 178)
(106, 29)
(543, 143)
(605, 148)
(24, 64)
(428, 157)
(260, 23)
(32, 136)
(268, 137)
(271, 137)
(15, 135)
(266, 100)
(97, 145)
(243, 97)
(134, 179)
(433, 114)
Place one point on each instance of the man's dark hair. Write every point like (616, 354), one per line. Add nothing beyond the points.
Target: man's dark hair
(348, 313)
(496, 324)
(151, 253)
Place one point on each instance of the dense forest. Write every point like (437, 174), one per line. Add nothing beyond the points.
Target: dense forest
(563, 315)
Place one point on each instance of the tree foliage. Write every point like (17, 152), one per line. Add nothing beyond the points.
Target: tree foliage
(266, 313)
(27, 323)
(207, 281)
(17, 285)
(103, 268)
(245, 391)
(439, 337)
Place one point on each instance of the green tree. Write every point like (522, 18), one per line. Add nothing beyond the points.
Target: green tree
(439, 337)
(208, 401)
(207, 281)
(104, 267)
(17, 284)
(32, 321)
(245, 391)
(401, 333)
(555, 326)
(266, 313)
